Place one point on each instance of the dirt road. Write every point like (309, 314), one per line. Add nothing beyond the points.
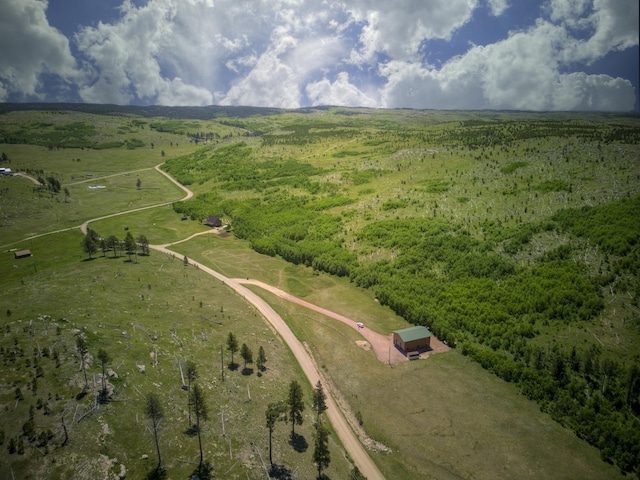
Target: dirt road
(382, 345)
(349, 439)
(188, 195)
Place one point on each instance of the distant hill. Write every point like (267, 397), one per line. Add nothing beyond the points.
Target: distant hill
(197, 113)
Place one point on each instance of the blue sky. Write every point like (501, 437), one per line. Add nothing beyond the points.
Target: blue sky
(443, 54)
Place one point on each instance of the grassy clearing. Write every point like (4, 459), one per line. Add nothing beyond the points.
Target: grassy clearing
(444, 415)
(30, 211)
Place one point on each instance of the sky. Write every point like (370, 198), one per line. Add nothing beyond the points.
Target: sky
(540, 55)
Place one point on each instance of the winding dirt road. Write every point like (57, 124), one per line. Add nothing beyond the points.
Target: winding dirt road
(337, 418)
(382, 345)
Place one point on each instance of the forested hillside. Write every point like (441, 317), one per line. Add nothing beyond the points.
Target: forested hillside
(500, 233)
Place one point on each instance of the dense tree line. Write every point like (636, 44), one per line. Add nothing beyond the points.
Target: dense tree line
(290, 227)
(92, 241)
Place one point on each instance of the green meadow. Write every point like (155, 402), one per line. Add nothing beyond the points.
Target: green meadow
(512, 236)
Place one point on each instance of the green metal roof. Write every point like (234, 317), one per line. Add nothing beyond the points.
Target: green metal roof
(413, 333)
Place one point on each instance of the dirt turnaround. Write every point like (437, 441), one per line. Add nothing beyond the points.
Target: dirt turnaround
(381, 344)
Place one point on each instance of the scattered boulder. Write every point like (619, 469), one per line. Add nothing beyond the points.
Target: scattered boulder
(111, 373)
(122, 474)
(141, 368)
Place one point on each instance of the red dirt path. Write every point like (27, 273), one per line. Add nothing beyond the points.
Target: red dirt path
(382, 344)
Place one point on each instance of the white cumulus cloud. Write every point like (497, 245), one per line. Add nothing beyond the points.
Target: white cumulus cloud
(30, 48)
(292, 53)
(498, 7)
(612, 25)
(128, 57)
(523, 72)
(399, 27)
(340, 92)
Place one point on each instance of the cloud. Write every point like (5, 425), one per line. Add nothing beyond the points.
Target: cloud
(340, 92)
(31, 48)
(129, 56)
(498, 7)
(523, 72)
(398, 28)
(270, 83)
(302, 45)
(290, 53)
(612, 25)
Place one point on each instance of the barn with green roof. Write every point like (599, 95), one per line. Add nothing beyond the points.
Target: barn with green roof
(412, 339)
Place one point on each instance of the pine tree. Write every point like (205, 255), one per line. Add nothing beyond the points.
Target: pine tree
(296, 405)
(321, 454)
(104, 358)
(81, 347)
(319, 401)
(113, 243)
(130, 245)
(261, 360)
(89, 245)
(153, 410)
(200, 411)
(232, 345)
(275, 412)
(246, 354)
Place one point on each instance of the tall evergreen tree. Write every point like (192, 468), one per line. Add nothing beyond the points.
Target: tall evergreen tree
(261, 360)
(319, 401)
(113, 243)
(275, 412)
(246, 354)
(321, 454)
(81, 347)
(143, 243)
(153, 410)
(104, 358)
(89, 245)
(295, 404)
(232, 345)
(130, 245)
(200, 411)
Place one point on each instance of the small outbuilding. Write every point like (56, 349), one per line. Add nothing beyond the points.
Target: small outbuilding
(412, 339)
(21, 253)
(213, 221)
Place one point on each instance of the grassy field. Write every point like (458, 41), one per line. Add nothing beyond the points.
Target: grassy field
(444, 417)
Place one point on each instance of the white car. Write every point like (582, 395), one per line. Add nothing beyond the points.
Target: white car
(360, 325)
